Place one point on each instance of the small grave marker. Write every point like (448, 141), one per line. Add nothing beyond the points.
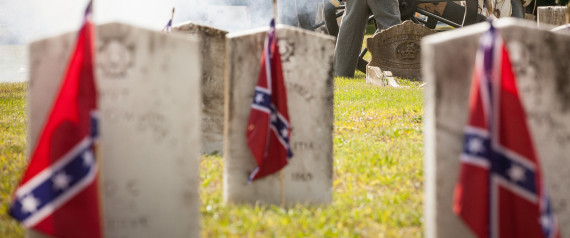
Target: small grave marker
(553, 15)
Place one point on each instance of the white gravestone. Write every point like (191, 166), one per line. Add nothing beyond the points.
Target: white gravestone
(540, 62)
(48, 61)
(149, 105)
(553, 15)
(307, 68)
(213, 51)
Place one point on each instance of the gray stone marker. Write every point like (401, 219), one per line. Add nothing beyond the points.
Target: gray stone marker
(149, 105)
(397, 49)
(308, 65)
(540, 60)
(553, 15)
(213, 51)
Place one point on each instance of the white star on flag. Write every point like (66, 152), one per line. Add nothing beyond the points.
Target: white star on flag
(284, 132)
(30, 203)
(487, 40)
(259, 98)
(516, 173)
(273, 117)
(544, 221)
(475, 145)
(87, 158)
(61, 181)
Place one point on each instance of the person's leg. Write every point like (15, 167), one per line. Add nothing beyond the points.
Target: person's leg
(386, 12)
(350, 36)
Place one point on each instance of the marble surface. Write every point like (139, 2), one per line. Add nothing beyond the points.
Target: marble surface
(213, 51)
(551, 15)
(150, 107)
(540, 62)
(308, 66)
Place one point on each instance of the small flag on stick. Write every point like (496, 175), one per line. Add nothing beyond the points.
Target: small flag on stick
(268, 129)
(500, 192)
(58, 194)
(168, 26)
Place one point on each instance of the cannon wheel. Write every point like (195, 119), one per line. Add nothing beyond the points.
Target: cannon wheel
(446, 11)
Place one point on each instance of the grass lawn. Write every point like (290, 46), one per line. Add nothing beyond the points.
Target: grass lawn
(12, 146)
(378, 176)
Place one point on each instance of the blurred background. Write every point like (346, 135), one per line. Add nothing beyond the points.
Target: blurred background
(24, 21)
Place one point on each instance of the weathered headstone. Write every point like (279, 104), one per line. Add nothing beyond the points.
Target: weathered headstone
(48, 61)
(213, 51)
(540, 61)
(308, 65)
(149, 105)
(553, 15)
(397, 49)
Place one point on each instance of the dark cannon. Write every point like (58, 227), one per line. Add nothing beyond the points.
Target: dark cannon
(324, 15)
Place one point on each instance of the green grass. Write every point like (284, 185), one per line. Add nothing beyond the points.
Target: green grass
(377, 171)
(12, 146)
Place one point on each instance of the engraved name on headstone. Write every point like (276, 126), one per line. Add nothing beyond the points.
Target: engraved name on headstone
(213, 51)
(397, 49)
(540, 62)
(307, 64)
(149, 106)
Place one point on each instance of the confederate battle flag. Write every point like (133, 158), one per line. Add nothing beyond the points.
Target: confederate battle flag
(58, 194)
(268, 129)
(500, 192)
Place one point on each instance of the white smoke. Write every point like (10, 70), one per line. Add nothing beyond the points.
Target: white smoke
(27, 20)
(22, 21)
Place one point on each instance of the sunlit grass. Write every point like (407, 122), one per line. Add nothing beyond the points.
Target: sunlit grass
(377, 171)
(377, 174)
(12, 146)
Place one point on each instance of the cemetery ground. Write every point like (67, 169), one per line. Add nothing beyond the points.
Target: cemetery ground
(378, 175)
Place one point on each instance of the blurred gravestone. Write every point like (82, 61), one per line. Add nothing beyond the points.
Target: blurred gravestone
(149, 107)
(307, 67)
(213, 51)
(553, 15)
(540, 61)
(397, 49)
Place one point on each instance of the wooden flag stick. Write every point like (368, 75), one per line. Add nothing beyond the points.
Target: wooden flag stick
(275, 11)
(281, 188)
(100, 185)
(172, 16)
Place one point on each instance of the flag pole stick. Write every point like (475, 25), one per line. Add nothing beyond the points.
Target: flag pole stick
(97, 144)
(281, 186)
(275, 11)
(172, 16)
